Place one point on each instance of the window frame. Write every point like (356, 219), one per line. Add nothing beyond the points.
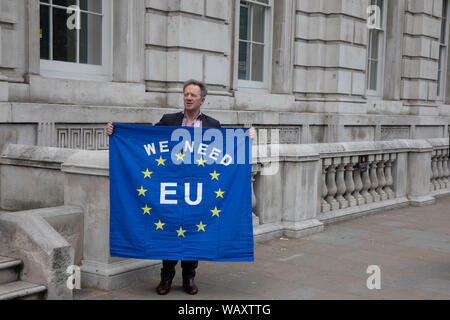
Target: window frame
(441, 83)
(267, 57)
(378, 93)
(82, 71)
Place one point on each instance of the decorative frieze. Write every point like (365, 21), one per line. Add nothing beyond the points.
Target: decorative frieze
(82, 137)
(394, 132)
(286, 135)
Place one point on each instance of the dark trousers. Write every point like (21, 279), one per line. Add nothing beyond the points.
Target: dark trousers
(168, 269)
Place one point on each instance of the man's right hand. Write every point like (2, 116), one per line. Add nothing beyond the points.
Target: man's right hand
(109, 128)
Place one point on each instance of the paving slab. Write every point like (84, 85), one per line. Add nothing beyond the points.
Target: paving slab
(411, 246)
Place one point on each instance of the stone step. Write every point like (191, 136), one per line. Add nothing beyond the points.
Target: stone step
(9, 269)
(21, 290)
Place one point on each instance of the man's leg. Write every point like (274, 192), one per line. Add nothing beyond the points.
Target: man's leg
(189, 269)
(189, 275)
(168, 269)
(167, 274)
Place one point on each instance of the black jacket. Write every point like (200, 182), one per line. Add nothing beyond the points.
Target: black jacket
(176, 119)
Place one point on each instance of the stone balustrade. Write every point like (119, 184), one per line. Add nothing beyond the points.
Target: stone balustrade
(346, 184)
(355, 178)
(440, 166)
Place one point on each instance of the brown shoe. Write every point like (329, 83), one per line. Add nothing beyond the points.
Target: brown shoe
(164, 287)
(189, 286)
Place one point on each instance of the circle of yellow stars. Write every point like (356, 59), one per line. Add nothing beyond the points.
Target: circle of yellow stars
(160, 225)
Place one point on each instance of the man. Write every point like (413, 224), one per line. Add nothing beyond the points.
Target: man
(194, 97)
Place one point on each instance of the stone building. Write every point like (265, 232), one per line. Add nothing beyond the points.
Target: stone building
(319, 70)
(358, 90)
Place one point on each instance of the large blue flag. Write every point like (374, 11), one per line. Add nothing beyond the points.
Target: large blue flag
(180, 193)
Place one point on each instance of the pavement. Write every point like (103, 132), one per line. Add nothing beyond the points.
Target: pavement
(410, 246)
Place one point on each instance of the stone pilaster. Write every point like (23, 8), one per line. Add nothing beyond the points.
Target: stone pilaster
(4, 91)
(330, 55)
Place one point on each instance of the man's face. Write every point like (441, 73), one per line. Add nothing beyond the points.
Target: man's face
(192, 98)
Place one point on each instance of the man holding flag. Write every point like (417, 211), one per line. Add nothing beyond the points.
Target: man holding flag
(191, 117)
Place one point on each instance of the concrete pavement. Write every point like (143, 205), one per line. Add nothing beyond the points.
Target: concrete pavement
(410, 245)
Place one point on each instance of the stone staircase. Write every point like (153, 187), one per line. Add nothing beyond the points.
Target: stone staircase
(11, 287)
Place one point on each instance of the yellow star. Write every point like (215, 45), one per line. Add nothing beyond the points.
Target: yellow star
(161, 161)
(215, 212)
(201, 226)
(147, 174)
(215, 175)
(180, 156)
(146, 209)
(181, 232)
(141, 191)
(219, 193)
(201, 162)
(159, 225)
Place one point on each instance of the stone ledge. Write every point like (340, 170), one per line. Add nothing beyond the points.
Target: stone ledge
(118, 274)
(358, 211)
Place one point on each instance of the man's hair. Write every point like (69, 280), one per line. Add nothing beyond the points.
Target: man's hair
(203, 89)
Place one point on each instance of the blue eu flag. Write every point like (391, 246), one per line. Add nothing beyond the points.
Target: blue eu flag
(180, 193)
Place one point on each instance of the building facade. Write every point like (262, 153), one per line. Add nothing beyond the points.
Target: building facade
(318, 70)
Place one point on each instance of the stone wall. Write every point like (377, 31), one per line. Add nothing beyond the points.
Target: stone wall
(316, 92)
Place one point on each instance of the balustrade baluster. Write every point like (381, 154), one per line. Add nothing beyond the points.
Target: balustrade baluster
(440, 169)
(358, 185)
(388, 174)
(324, 206)
(340, 183)
(332, 188)
(255, 171)
(381, 178)
(373, 178)
(434, 172)
(367, 184)
(349, 183)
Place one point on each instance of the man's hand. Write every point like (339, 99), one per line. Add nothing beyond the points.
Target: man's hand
(252, 134)
(109, 128)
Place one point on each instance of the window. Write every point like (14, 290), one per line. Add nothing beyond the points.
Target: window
(442, 64)
(76, 44)
(254, 39)
(375, 50)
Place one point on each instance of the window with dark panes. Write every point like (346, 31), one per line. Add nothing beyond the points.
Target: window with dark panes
(253, 40)
(72, 31)
(375, 49)
(443, 43)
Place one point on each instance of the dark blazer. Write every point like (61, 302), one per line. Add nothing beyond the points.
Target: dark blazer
(176, 119)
